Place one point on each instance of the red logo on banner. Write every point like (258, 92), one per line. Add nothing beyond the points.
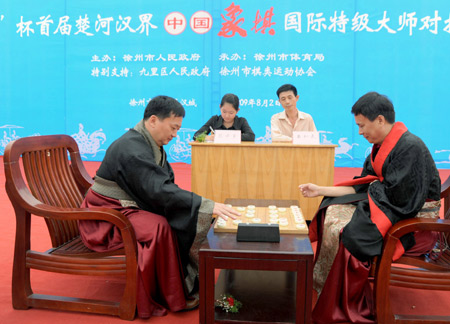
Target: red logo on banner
(175, 23)
(201, 22)
(266, 22)
(231, 26)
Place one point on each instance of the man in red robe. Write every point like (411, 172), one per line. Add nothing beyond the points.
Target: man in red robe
(398, 181)
(170, 223)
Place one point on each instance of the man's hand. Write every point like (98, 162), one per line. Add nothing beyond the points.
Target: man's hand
(224, 211)
(309, 190)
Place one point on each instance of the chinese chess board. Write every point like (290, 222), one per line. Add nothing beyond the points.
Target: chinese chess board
(289, 219)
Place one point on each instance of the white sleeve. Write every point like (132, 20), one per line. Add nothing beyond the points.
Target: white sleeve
(275, 131)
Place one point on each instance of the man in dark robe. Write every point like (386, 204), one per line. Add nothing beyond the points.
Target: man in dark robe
(170, 223)
(399, 180)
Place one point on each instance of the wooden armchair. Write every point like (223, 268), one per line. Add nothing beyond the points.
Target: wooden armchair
(45, 177)
(424, 272)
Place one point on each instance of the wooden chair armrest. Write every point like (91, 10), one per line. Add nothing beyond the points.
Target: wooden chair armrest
(404, 227)
(27, 202)
(98, 213)
(417, 224)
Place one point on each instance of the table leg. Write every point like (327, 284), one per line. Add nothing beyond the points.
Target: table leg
(304, 292)
(206, 293)
(202, 289)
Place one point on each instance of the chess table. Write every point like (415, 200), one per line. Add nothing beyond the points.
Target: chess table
(272, 280)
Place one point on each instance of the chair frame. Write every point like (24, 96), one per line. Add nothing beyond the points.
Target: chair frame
(53, 188)
(427, 274)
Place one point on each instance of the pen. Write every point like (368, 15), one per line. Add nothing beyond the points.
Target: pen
(212, 130)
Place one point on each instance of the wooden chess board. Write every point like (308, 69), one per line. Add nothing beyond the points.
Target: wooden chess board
(289, 219)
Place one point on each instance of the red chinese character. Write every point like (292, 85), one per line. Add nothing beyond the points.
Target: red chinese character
(231, 27)
(201, 22)
(174, 22)
(266, 22)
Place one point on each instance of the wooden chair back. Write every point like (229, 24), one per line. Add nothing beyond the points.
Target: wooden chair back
(45, 177)
(50, 178)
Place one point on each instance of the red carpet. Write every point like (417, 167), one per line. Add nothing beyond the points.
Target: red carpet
(409, 303)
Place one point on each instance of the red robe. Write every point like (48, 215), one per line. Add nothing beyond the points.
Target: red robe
(160, 278)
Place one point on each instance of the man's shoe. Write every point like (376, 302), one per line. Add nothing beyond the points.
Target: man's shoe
(191, 303)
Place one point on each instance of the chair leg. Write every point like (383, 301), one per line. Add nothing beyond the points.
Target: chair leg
(383, 310)
(21, 285)
(127, 308)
